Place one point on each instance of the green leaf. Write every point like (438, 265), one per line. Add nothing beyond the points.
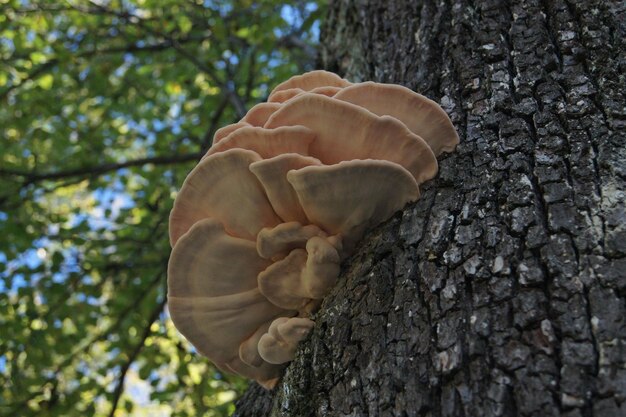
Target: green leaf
(46, 81)
(184, 23)
(37, 57)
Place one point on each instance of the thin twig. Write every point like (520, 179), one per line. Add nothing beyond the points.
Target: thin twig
(215, 119)
(251, 74)
(119, 388)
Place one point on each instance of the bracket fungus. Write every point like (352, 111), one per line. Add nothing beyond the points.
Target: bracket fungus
(261, 224)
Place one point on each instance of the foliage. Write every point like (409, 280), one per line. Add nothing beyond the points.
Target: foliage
(104, 107)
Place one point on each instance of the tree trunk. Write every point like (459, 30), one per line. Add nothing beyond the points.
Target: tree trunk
(502, 291)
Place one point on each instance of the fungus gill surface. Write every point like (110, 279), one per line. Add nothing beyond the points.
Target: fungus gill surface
(261, 224)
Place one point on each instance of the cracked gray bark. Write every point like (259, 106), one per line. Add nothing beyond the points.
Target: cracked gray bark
(502, 291)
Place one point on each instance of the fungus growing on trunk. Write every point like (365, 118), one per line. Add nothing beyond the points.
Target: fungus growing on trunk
(261, 224)
(279, 344)
(212, 284)
(333, 200)
(244, 212)
(258, 115)
(421, 115)
(309, 81)
(346, 132)
(221, 133)
(272, 174)
(267, 142)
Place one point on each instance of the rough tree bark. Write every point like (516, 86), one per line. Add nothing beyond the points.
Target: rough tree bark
(502, 291)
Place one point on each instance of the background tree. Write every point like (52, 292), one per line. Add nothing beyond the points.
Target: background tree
(104, 108)
(502, 291)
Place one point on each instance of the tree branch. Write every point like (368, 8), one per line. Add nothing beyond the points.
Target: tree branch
(251, 74)
(123, 315)
(40, 70)
(294, 42)
(119, 388)
(17, 406)
(215, 119)
(91, 171)
(233, 97)
(131, 48)
(229, 91)
(43, 9)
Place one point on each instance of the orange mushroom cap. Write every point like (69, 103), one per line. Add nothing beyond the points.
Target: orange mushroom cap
(221, 186)
(279, 344)
(221, 133)
(331, 200)
(267, 142)
(310, 80)
(346, 131)
(258, 115)
(213, 297)
(272, 174)
(421, 115)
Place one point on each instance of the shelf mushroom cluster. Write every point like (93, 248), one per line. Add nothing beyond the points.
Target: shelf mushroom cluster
(261, 224)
